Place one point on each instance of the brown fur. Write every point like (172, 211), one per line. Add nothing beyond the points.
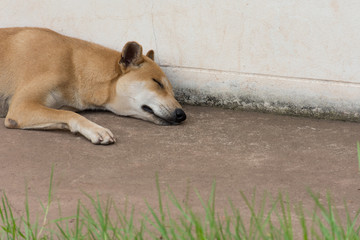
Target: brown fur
(66, 61)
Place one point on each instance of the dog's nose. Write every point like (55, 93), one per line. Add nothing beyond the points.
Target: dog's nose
(180, 115)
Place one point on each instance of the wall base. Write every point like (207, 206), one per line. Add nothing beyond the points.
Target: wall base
(317, 98)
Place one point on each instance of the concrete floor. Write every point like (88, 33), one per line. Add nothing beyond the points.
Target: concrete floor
(240, 150)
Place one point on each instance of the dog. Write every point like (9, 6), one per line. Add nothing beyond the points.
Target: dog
(46, 77)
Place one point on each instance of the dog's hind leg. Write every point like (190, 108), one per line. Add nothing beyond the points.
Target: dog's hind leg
(36, 116)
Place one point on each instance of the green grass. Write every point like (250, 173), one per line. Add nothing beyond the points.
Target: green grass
(265, 218)
(104, 220)
(358, 151)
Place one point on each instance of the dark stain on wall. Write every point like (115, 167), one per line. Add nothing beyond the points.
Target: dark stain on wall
(250, 103)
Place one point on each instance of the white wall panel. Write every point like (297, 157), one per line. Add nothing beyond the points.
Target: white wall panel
(304, 54)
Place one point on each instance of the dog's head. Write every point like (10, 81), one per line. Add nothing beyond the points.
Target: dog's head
(143, 91)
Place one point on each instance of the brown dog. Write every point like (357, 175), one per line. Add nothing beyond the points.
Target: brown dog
(42, 73)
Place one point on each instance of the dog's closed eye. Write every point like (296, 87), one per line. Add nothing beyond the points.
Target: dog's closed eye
(158, 82)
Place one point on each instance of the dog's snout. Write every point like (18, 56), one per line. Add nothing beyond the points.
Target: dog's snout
(180, 115)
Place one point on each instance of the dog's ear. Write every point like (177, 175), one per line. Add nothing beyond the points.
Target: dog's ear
(131, 54)
(150, 54)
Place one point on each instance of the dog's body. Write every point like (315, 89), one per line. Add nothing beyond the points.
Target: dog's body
(42, 73)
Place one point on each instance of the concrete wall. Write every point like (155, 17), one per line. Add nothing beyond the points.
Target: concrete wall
(295, 57)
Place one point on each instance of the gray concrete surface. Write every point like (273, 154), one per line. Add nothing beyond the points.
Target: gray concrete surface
(240, 150)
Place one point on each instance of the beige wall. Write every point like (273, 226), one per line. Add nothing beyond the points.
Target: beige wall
(300, 57)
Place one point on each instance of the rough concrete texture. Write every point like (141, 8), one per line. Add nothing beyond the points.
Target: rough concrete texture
(240, 150)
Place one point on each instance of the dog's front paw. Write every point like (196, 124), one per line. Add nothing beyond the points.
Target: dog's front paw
(102, 136)
(95, 133)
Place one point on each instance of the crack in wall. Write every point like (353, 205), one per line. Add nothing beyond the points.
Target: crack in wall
(154, 32)
(348, 83)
